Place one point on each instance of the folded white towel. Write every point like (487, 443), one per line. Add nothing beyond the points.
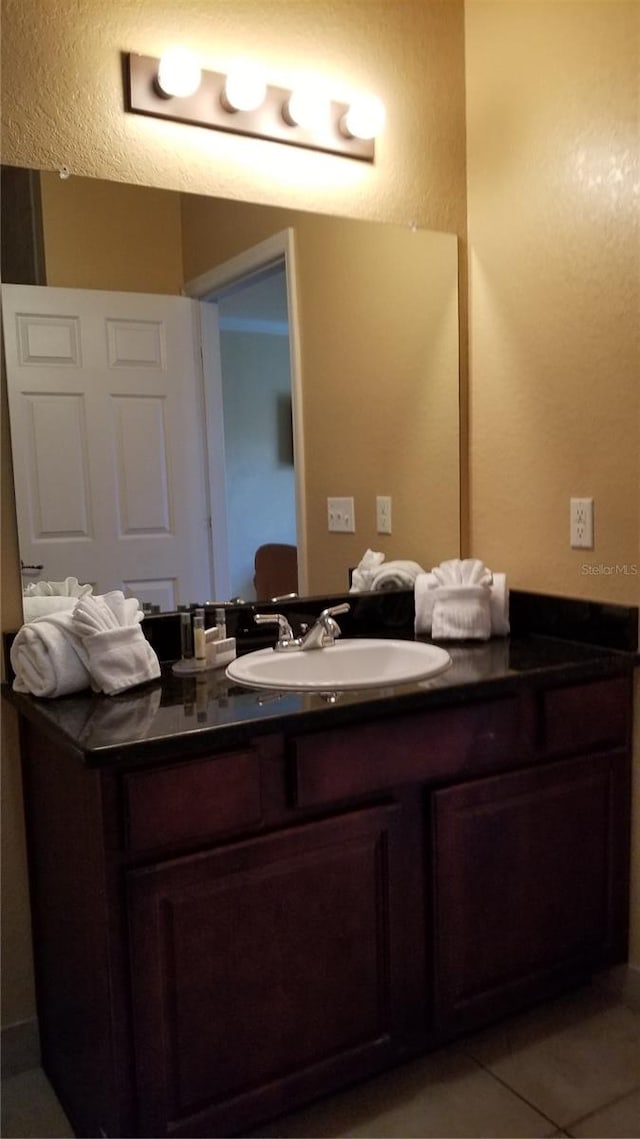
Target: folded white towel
(499, 605)
(119, 654)
(70, 587)
(461, 612)
(35, 606)
(363, 574)
(466, 571)
(461, 574)
(397, 574)
(49, 658)
(424, 592)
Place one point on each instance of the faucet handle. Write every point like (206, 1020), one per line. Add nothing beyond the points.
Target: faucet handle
(285, 632)
(326, 622)
(335, 610)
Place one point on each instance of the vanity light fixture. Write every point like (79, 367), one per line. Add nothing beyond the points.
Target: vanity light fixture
(244, 90)
(306, 107)
(178, 73)
(241, 102)
(364, 118)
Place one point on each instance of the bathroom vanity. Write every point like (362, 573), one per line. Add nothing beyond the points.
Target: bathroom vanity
(242, 901)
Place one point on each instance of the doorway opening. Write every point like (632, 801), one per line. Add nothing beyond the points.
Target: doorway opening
(253, 413)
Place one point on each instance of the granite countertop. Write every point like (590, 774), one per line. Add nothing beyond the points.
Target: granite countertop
(185, 715)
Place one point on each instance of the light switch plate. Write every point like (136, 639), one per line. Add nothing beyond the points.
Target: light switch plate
(341, 515)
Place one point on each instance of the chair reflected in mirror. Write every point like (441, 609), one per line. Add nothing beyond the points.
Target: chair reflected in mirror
(276, 570)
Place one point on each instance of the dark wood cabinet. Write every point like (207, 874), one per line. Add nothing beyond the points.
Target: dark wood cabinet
(267, 971)
(225, 935)
(530, 883)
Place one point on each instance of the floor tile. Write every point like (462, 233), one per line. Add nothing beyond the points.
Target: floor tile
(619, 1120)
(445, 1095)
(30, 1109)
(567, 1059)
(622, 983)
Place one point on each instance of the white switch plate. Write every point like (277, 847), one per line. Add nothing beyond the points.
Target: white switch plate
(581, 523)
(341, 515)
(383, 513)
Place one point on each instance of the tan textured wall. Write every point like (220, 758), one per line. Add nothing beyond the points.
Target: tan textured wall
(553, 215)
(62, 98)
(553, 170)
(379, 361)
(62, 106)
(107, 235)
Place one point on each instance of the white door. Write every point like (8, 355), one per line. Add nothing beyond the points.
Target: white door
(105, 401)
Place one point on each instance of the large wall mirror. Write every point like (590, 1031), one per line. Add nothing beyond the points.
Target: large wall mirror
(373, 361)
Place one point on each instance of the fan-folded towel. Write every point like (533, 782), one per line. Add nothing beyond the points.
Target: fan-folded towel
(44, 597)
(455, 617)
(70, 587)
(461, 612)
(118, 653)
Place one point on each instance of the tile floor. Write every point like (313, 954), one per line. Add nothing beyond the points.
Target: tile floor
(571, 1067)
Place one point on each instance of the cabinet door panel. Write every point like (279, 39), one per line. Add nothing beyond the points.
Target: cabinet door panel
(263, 966)
(529, 875)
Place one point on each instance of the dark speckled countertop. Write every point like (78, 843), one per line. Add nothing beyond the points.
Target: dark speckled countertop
(184, 716)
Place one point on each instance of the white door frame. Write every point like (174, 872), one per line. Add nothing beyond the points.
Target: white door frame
(278, 247)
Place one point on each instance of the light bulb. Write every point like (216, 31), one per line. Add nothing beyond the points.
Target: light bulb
(178, 73)
(364, 119)
(244, 90)
(306, 107)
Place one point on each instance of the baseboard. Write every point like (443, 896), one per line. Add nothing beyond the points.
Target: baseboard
(20, 1044)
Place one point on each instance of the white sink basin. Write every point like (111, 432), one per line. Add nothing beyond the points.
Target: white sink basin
(362, 663)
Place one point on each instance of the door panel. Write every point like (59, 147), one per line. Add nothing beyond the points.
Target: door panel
(105, 397)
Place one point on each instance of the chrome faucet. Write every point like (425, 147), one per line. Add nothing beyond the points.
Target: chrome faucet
(325, 630)
(321, 635)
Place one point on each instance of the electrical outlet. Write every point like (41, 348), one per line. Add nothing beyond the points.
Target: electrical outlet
(383, 513)
(341, 515)
(581, 523)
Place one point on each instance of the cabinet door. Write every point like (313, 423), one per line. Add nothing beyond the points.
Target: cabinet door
(530, 877)
(268, 971)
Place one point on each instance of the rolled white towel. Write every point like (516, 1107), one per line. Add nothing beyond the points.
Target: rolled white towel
(424, 591)
(119, 654)
(499, 605)
(363, 574)
(461, 612)
(49, 658)
(396, 574)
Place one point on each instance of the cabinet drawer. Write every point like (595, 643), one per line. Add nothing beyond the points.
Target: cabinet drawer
(585, 717)
(419, 748)
(192, 800)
